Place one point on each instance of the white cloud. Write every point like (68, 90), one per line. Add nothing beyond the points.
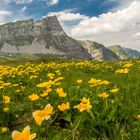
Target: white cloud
(109, 28)
(53, 2)
(24, 9)
(121, 20)
(3, 15)
(136, 35)
(67, 16)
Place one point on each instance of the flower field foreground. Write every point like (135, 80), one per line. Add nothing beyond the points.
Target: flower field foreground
(71, 100)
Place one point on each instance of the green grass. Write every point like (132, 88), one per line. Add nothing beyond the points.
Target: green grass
(113, 118)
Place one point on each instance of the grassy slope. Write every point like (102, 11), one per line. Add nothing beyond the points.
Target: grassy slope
(110, 119)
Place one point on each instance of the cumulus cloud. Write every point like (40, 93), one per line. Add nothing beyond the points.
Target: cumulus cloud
(121, 20)
(67, 16)
(116, 27)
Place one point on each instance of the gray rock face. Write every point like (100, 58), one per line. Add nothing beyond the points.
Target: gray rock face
(44, 36)
(99, 52)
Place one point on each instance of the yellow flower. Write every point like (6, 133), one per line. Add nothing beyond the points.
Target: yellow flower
(6, 109)
(61, 92)
(42, 85)
(114, 90)
(44, 94)
(44, 114)
(122, 71)
(17, 90)
(6, 99)
(64, 106)
(79, 81)
(81, 107)
(33, 97)
(15, 85)
(58, 79)
(138, 116)
(103, 95)
(50, 75)
(4, 129)
(33, 76)
(48, 90)
(84, 105)
(94, 81)
(104, 82)
(85, 100)
(24, 135)
(1, 87)
(128, 65)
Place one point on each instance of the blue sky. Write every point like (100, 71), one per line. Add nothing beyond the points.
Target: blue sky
(105, 21)
(38, 8)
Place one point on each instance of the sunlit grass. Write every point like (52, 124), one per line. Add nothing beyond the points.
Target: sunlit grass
(70, 100)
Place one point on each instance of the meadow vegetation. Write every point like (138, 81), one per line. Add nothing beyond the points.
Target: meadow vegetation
(70, 100)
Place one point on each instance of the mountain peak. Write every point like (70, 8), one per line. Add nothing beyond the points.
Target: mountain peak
(44, 36)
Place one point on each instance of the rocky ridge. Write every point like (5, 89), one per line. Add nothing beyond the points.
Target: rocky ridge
(99, 52)
(44, 36)
(125, 53)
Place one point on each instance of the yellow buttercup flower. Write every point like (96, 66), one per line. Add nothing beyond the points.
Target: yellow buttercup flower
(84, 105)
(48, 90)
(24, 135)
(81, 107)
(79, 81)
(17, 90)
(114, 90)
(44, 114)
(6, 109)
(104, 82)
(61, 92)
(4, 129)
(44, 94)
(15, 85)
(138, 116)
(33, 97)
(128, 65)
(85, 100)
(42, 85)
(6, 99)
(50, 75)
(33, 76)
(64, 106)
(122, 71)
(103, 95)
(94, 81)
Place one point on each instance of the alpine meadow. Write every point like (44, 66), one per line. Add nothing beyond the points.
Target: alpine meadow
(69, 70)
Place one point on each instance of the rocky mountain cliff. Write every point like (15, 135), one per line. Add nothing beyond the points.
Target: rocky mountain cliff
(99, 52)
(125, 53)
(44, 36)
